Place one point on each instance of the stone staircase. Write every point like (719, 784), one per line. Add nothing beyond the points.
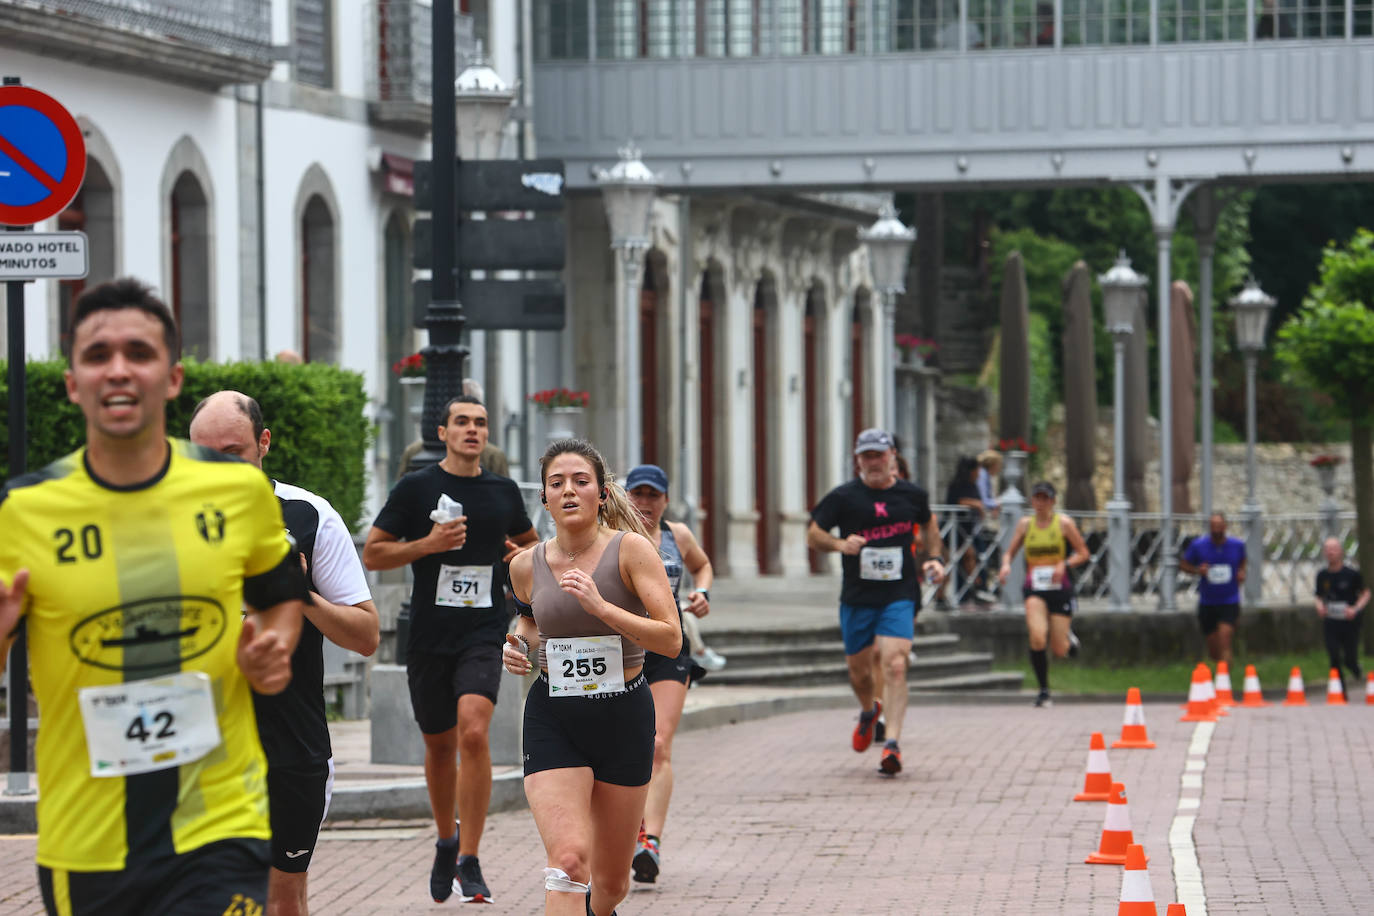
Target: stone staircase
(814, 655)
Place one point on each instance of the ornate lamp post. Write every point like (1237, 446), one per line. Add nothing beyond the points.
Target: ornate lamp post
(468, 111)
(1121, 289)
(889, 243)
(628, 189)
(1252, 307)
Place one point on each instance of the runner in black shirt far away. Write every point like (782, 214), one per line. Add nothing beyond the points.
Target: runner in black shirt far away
(455, 524)
(878, 517)
(1341, 598)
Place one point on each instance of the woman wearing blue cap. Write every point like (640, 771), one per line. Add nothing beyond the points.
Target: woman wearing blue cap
(668, 677)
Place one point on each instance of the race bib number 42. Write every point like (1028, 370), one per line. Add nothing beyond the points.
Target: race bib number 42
(463, 586)
(585, 666)
(149, 725)
(881, 564)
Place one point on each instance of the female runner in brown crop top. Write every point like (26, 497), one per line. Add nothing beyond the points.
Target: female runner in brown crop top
(589, 717)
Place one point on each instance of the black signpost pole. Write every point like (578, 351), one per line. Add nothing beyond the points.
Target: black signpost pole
(446, 355)
(18, 696)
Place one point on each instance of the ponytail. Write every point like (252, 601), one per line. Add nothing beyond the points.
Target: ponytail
(617, 512)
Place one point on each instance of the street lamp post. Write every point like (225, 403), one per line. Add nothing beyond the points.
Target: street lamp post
(628, 189)
(1121, 287)
(1252, 307)
(889, 243)
(466, 111)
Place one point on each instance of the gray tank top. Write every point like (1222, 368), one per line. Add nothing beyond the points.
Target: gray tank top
(559, 615)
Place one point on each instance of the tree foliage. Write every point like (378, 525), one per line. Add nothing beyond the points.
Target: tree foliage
(1329, 342)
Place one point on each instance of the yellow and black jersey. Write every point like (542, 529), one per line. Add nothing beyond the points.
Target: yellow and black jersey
(1046, 546)
(133, 585)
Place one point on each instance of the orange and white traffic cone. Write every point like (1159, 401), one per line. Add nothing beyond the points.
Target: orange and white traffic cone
(1252, 695)
(1176, 909)
(1137, 897)
(1133, 723)
(1297, 693)
(1200, 697)
(1335, 689)
(1369, 689)
(1097, 782)
(1212, 702)
(1222, 685)
(1116, 831)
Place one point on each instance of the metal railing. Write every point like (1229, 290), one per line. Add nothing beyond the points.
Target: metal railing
(644, 29)
(238, 27)
(1292, 553)
(399, 50)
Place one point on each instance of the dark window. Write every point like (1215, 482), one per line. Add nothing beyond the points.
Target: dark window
(314, 39)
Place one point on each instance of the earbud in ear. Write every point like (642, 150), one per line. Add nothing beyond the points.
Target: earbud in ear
(603, 494)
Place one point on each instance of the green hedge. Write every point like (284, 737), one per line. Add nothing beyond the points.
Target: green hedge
(320, 433)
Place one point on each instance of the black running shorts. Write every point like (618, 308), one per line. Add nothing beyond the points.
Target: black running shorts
(437, 681)
(1058, 601)
(298, 799)
(227, 877)
(662, 668)
(1211, 616)
(612, 734)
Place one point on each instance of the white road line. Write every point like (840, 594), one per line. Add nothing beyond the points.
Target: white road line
(1187, 872)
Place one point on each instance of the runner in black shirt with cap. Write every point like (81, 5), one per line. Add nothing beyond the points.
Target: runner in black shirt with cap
(878, 517)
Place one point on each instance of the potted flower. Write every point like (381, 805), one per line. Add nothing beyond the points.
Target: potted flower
(1016, 451)
(409, 367)
(1326, 471)
(915, 350)
(564, 408)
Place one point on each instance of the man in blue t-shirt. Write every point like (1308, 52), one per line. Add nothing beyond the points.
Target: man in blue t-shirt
(1219, 563)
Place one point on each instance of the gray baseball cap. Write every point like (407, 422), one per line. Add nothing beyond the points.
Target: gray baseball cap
(873, 440)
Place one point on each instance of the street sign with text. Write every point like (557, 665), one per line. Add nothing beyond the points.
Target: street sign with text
(498, 184)
(43, 256)
(502, 305)
(499, 244)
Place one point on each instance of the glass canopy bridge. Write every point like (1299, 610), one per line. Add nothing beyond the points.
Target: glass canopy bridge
(826, 94)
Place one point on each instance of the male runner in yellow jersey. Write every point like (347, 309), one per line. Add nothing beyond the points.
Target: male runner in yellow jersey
(131, 560)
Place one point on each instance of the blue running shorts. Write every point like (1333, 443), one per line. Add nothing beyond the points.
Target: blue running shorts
(860, 625)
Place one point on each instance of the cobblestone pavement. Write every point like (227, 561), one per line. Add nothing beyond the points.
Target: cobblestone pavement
(779, 817)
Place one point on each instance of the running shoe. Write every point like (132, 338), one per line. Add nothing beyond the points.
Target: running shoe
(1075, 647)
(645, 862)
(709, 659)
(469, 884)
(880, 730)
(891, 764)
(1042, 700)
(863, 732)
(441, 875)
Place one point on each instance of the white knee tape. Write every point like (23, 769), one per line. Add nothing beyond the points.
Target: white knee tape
(556, 879)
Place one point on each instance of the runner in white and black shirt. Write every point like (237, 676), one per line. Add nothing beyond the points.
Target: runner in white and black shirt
(292, 724)
(879, 519)
(458, 621)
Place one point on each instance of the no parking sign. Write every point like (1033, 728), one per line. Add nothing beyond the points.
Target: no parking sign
(42, 156)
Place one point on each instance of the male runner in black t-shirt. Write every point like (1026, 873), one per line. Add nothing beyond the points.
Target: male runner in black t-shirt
(458, 624)
(878, 517)
(1341, 597)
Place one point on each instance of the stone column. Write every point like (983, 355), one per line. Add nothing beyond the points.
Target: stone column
(790, 435)
(741, 517)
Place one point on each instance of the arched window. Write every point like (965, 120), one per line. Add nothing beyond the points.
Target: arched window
(320, 331)
(190, 262)
(92, 211)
